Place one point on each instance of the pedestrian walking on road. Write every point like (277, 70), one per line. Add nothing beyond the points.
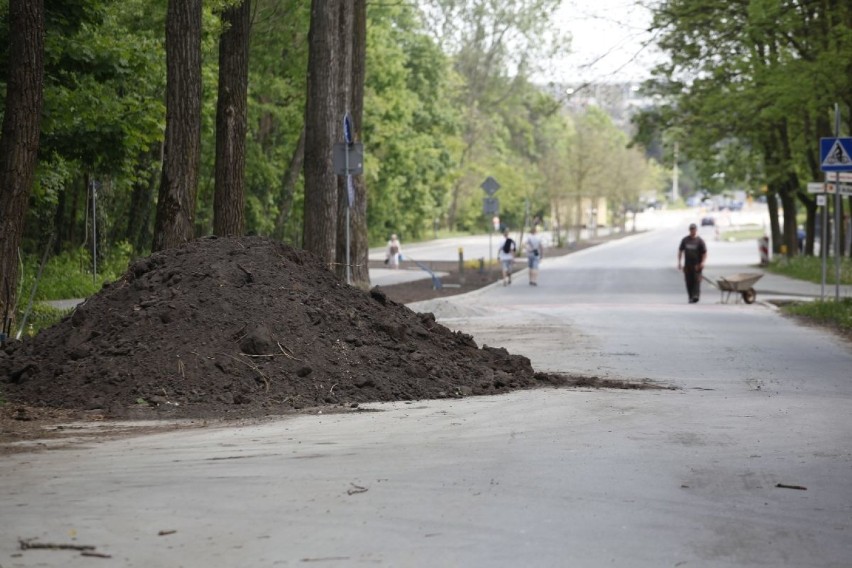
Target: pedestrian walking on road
(394, 252)
(506, 255)
(691, 256)
(535, 251)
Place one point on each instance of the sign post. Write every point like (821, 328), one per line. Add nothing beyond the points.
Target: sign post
(490, 206)
(348, 160)
(835, 156)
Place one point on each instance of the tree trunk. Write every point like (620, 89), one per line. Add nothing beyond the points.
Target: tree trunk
(138, 229)
(288, 187)
(360, 233)
(229, 193)
(774, 224)
(179, 181)
(20, 139)
(810, 226)
(788, 202)
(321, 131)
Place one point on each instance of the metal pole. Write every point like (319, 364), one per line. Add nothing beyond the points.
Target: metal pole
(490, 247)
(348, 207)
(822, 250)
(94, 233)
(838, 205)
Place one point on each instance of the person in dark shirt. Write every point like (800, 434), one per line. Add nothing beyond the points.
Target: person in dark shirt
(690, 259)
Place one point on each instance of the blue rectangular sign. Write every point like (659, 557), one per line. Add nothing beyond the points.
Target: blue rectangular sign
(835, 154)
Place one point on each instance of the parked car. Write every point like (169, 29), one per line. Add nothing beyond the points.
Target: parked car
(708, 221)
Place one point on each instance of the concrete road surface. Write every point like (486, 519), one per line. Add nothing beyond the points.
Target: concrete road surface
(747, 462)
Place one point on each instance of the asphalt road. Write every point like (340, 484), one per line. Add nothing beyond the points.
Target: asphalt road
(746, 463)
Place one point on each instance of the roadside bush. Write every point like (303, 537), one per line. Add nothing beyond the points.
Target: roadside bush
(69, 275)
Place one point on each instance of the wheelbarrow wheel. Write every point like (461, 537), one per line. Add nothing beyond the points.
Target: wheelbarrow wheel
(749, 296)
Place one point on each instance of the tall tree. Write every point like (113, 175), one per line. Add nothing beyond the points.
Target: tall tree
(322, 128)
(20, 137)
(360, 252)
(229, 193)
(179, 181)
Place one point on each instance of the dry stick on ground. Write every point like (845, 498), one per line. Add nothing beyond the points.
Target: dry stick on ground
(29, 544)
(281, 347)
(251, 366)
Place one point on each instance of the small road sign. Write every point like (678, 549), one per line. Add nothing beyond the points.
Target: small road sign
(490, 205)
(830, 187)
(842, 177)
(356, 159)
(835, 154)
(490, 186)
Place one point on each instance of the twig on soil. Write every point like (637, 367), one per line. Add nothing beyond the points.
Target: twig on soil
(356, 489)
(180, 368)
(252, 366)
(281, 347)
(249, 274)
(331, 390)
(238, 335)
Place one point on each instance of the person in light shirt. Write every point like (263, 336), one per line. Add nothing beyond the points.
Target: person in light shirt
(535, 250)
(394, 252)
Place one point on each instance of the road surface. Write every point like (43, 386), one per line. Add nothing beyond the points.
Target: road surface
(747, 462)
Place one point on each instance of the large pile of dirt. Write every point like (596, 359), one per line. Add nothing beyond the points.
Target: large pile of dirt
(246, 327)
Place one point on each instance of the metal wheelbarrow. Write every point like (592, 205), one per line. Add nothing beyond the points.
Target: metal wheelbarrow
(742, 284)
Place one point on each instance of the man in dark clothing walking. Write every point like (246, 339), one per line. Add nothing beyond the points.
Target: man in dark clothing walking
(690, 258)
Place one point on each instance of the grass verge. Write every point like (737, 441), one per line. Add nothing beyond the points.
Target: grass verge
(830, 313)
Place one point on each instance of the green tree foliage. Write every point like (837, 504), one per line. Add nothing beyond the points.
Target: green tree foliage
(495, 47)
(410, 125)
(752, 84)
(448, 101)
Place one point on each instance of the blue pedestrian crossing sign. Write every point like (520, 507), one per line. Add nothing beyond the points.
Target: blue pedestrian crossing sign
(835, 154)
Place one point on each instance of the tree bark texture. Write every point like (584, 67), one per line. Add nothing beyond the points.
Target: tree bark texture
(20, 137)
(142, 199)
(179, 181)
(288, 186)
(229, 193)
(360, 237)
(322, 119)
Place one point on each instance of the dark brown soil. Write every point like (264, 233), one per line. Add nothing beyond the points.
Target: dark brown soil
(245, 327)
